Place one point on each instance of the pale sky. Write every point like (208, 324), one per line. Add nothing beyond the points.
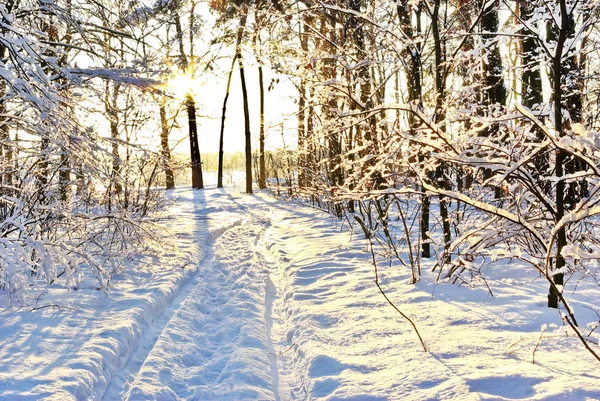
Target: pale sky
(209, 94)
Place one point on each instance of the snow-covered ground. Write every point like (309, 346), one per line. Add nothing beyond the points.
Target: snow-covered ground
(266, 300)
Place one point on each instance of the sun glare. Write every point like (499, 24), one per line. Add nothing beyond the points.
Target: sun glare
(181, 84)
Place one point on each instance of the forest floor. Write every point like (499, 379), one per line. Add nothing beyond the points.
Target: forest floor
(267, 300)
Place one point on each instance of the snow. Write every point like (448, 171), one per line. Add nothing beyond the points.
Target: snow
(267, 300)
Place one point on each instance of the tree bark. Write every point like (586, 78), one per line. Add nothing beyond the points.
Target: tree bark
(531, 88)
(196, 162)
(564, 30)
(439, 117)
(247, 135)
(302, 112)
(222, 134)
(165, 149)
(262, 179)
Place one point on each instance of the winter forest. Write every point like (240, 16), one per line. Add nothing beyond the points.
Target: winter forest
(410, 210)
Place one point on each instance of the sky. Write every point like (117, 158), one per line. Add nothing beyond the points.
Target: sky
(209, 92)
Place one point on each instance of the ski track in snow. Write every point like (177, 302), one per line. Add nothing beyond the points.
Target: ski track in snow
(281, 305)
(219, 335)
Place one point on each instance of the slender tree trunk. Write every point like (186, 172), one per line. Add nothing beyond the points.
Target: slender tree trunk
(165, 149)
(439, 117)
(336, 175)
(310, 140)
(238, 53)
(197, 179)
(6, 147)
(6, 177)
(111, 102)
(564, 30)
(494, 91)
(262, 179)
(302, 134)
(531, 88)
(355, 26)
(196, 162)
(247, 134)
(64, 172)
(221, 136)
(494, 88)
(574, 68)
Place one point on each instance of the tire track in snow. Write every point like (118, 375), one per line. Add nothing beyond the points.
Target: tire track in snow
(217, 344)
(121, 382)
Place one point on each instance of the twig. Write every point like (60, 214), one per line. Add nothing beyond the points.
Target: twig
(544, 327)
(566, 318)
(51, 306)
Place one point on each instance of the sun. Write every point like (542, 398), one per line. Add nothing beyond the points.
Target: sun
(181, 84)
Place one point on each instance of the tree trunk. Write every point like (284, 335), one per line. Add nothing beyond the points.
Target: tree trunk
(247, 134)
(6, 150)
(220, 168)
(238, 53)
(302, 112)
(439, 117)
(531, 89)
(262, 179)
(565, 30)
(367, 134)
(196, 162)
(494, 89)
(111, 103)
(336, 176)
(165, 150)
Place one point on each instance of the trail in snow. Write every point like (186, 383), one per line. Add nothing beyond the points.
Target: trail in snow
(217, 345)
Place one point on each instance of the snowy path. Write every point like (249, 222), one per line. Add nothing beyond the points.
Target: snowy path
(277, 302)
(216, 346)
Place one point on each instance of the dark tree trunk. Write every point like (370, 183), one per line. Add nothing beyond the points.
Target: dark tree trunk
(43, 171)
(196, 162)
(64, 172)
(494, 89)
(64, 176)
(302, 133)
(111, 105)
(531, 89)
(238, 53)
(6, 152)
(440, 174)
(573, 80)
(165, 149)
(247, 134)
(310, 140)
(558, 75)
(262, 178)
(356, 31)
(220, 168)
(336, 176)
